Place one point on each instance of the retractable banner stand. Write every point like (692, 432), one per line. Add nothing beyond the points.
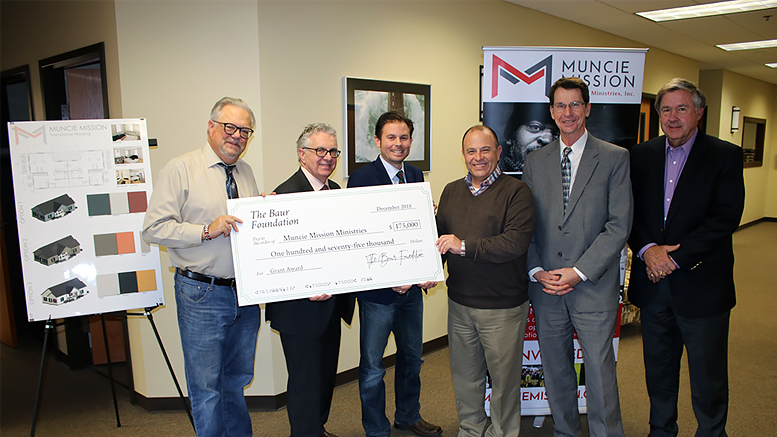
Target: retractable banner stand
(81, 190)
(515, 87)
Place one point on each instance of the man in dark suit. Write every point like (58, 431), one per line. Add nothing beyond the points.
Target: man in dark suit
(582, 193)
(689, 196)
(310, 328)
(399, 310)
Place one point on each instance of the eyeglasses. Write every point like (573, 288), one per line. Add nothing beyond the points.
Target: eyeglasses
(230, 129)
(561, 106)
(321, 152)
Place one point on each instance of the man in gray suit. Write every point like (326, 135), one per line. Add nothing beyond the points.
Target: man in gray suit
(582, 192)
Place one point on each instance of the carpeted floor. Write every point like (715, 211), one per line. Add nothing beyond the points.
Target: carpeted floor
(78, 403)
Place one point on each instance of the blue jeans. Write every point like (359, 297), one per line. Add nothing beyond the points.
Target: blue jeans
(219, 344)
(404, 317)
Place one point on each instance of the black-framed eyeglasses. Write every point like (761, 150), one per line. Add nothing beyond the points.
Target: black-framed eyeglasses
(320, 151)
(230, 129)
(561, 106)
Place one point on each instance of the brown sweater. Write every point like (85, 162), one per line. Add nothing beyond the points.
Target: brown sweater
(497, 227)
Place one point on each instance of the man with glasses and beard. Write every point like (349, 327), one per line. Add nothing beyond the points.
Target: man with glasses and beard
(310, 328)
(187, 213)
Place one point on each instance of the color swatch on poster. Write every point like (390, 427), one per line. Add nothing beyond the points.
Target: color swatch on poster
(116, 203)
(114, 244)
(126, 282)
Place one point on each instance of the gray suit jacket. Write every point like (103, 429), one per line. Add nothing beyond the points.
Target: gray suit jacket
(592, 234)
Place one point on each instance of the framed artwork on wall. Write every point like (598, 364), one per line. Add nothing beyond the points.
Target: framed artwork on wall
(366, 99)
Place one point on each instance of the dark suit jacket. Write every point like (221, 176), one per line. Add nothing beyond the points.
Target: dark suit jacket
(706, 209)
(370, 175)
(592, 233)
(303, 317)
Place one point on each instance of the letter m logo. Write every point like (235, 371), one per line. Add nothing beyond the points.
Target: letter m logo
(501, 68)
(29, 135)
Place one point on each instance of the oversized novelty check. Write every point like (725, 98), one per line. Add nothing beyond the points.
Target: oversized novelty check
(298, 245)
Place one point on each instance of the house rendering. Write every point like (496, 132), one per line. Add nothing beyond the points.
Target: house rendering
(58, 251)
(54, 208)
(65, 292)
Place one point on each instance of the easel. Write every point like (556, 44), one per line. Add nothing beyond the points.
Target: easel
(50, 325)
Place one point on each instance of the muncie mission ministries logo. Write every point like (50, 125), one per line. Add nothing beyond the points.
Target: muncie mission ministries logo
(611, 76)
(500, 67)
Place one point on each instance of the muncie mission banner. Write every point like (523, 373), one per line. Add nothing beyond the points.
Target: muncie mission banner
(515, 86)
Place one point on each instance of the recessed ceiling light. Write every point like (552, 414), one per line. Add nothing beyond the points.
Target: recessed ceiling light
(773, 65)
(765, 44)
(707, 10)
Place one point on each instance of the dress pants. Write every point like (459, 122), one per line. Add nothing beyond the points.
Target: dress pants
(312, 367)
(556, 325)
(706, 340)
(487, 341)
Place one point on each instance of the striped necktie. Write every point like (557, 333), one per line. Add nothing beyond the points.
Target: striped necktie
(566, 176)
(401, 177)
(231, 184)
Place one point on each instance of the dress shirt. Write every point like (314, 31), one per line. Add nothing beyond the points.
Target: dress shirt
(483, 185)
(392, 171)
(314, 182)
(189, 193)
(674, 163)
(574, 156)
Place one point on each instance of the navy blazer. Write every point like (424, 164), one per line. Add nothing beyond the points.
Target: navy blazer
(303, 317)
(706, 209)
(370, 175)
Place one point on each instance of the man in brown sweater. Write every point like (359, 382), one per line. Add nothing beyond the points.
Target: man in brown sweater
(486, 222)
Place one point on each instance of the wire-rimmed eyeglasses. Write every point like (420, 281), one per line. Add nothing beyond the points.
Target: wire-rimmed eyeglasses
(561, 106)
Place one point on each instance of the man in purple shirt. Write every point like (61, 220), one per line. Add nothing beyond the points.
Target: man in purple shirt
(688, 199)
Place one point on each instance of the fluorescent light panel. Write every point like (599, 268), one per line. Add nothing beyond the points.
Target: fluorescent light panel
(773, 65)
(708, 10)
(750, 45)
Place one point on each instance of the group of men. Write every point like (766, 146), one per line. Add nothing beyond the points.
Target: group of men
(554, 238)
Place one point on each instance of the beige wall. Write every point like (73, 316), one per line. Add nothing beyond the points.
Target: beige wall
(305, 56)
(68, 26)
(287, 60)
(177, 59)
(755, 98)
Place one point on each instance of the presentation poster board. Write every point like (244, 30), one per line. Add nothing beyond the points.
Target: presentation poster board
(515, 88)
(81, 191)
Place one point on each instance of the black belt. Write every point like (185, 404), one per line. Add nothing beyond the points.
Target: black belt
(205, 278)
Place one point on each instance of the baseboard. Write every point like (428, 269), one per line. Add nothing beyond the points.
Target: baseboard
(273, 403)
(755, 222)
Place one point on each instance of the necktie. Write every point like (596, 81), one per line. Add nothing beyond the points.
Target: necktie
(324, 187)
(566, 176)
(231, 184)
(401, 177)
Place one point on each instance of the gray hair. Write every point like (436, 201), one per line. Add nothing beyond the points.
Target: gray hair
(304, 137)
(215, 113)
(680, 84)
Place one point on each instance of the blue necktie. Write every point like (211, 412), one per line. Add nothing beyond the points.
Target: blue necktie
(231, 184)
